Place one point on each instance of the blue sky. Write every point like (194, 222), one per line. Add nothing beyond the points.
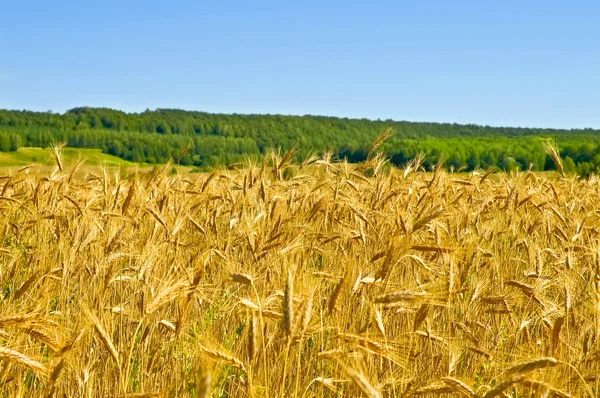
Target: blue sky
(516, 63)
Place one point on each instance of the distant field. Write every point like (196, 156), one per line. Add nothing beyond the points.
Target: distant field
(27, 156)
(94, 158)
(206, 140)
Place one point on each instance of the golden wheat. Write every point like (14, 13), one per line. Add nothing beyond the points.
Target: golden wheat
(348, 280)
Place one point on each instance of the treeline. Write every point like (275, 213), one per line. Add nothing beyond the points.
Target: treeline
(207, 140)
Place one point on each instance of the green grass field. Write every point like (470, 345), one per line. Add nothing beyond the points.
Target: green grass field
(27, 156)
(94, 158)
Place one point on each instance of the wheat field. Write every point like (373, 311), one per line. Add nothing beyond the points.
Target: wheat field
(331, 280)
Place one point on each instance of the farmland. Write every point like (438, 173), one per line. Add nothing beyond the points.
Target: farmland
(315, 279)
(31, 155)
(205, 141)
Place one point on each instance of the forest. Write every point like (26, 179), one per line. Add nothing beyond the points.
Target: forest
(207, 140)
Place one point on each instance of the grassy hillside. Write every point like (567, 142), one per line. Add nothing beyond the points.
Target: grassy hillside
(26, 156)
(207, 140)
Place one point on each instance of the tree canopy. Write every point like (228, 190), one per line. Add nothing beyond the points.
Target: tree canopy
(207, 140)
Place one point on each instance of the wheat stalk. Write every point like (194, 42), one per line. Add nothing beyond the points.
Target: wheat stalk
(363, 384)
(221, 356)
(504, 385)
(533, 364)
(12, 356)
(288, 304)
(459, 386)
(398, 296)
(104, 336)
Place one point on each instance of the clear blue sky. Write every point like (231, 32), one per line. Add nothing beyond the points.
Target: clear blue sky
(501, 62)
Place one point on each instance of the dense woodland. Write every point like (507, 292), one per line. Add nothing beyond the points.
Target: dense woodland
(206, 140)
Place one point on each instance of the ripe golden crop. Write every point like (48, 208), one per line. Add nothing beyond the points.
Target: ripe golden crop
(327, 280)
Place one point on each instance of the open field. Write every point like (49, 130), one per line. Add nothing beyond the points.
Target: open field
(343, 280)
(27, 156)
(42, 162)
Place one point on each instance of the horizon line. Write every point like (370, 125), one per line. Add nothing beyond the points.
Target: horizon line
(364, 118)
